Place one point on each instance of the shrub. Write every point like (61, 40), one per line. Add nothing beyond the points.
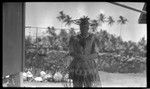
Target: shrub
(114, 63)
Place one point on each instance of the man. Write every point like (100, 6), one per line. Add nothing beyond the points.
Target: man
(83, 70)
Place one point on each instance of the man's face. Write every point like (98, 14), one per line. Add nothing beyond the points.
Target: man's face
(84, 29)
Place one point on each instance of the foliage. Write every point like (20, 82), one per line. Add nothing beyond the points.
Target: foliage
(121, 64)
(94, 25)
(122, 20)
(110, 44)
(110, 20)
(101, 18)
(45, 59)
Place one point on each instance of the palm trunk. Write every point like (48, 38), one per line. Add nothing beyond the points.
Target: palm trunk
(36, 36)
(109, 29)
(69, 28)
(120, 30)
(61, 25)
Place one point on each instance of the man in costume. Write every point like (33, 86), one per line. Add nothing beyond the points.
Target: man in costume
(83, 69)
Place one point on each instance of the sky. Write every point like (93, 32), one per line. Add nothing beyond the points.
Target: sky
(43, 14)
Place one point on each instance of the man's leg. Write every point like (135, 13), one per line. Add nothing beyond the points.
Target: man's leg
(88, 84)
(77, 83)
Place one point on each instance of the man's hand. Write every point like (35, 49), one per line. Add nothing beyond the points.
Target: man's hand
(88, 57)
(78, 55)
(85, 57)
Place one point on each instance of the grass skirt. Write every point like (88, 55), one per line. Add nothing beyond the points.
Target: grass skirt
(84, 71)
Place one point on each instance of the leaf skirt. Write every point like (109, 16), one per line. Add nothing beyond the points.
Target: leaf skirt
(84, 71)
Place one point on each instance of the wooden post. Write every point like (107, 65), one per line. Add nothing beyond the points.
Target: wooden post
(13, 42)
(17, 80)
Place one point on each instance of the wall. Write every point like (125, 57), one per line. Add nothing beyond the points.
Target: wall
(13, 37)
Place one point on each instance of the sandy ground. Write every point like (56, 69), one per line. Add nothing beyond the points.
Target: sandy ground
(107, 80)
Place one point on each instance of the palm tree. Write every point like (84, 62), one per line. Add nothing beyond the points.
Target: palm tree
(51, 31)
(122, 20)
(61, 17)
(101, 18)
(52, 35)
(72, 32)
(63, 37)
(110, 20)
(94, 25)
(142, 46)
(68, 20)
(76, 21)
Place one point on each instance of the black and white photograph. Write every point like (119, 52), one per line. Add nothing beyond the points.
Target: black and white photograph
(74, 44)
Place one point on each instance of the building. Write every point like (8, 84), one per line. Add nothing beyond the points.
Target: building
(142, 18)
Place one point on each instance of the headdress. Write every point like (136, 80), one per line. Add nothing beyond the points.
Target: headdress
(84, 20)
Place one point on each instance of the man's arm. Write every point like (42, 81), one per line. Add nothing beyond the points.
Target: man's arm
(71, 48)
(95, 50)
(91, 56)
